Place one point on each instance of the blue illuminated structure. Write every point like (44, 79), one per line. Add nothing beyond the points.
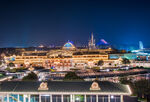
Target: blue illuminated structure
(102, 44)
(130, 56)
(69, 46)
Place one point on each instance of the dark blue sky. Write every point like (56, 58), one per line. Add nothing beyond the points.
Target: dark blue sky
(34, 22)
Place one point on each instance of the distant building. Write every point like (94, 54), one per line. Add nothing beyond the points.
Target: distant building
(143, 54)
(63, 58)
(130, 56)
(91, 43)
(69, 46)
(60, 59)
(140, 64)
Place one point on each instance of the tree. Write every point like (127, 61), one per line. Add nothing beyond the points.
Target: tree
(11, 64)
(100, 63)
(124, 80)
(11, 70)
(30, 77)
(142, 88)
(72, 76)
(126, 61)
(110, 64)
(1, 62)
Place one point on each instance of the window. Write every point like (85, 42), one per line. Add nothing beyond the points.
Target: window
(34, 98)
(45, 98)
(1, 98)
(66, 98)
(56, 98)
(114, 98)
(117, 98)
(26, 98)
(5, 98)
(13, 98)
(79, 98)
(91, 98)
(102, 98)
(20, 98)
(105, 98)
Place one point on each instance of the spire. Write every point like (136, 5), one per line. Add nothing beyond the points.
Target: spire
(92, 42)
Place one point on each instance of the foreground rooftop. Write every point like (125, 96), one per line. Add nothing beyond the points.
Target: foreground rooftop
(64, 86)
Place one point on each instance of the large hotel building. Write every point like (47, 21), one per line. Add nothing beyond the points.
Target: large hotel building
(66, 57)
(69, 56)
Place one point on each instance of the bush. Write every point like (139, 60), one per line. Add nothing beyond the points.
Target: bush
(11, 70)
(100, 63)
(140, 88)
(126, 61)
(72, 76)
(30, 77)
(15, 69)
(11, 64)
(141, 67)
(96, 68)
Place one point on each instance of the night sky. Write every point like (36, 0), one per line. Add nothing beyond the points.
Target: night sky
(54, 22)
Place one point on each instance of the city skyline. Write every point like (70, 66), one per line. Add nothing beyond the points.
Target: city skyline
(74, 51)
(30, 23)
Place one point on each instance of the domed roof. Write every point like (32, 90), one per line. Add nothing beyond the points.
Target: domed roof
(68, 46)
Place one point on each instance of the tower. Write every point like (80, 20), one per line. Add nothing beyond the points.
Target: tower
(141, 45)
(92, 42)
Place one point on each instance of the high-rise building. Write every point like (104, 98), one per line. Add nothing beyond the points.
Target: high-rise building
(92, 42)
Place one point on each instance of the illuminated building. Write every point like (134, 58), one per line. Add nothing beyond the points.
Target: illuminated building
(41, 46)
(130, 56)
(140, 63)
(63, 91)
(89, 58)
(28, 57)
(143, 54)
(68, 46)
(62, 59)
(92, 42)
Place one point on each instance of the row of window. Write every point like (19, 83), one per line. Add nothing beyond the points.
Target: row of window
(59, 98)
(30, 57)
(88, 56)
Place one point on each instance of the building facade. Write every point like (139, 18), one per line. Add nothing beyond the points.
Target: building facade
(61, 59)
(63, 92)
